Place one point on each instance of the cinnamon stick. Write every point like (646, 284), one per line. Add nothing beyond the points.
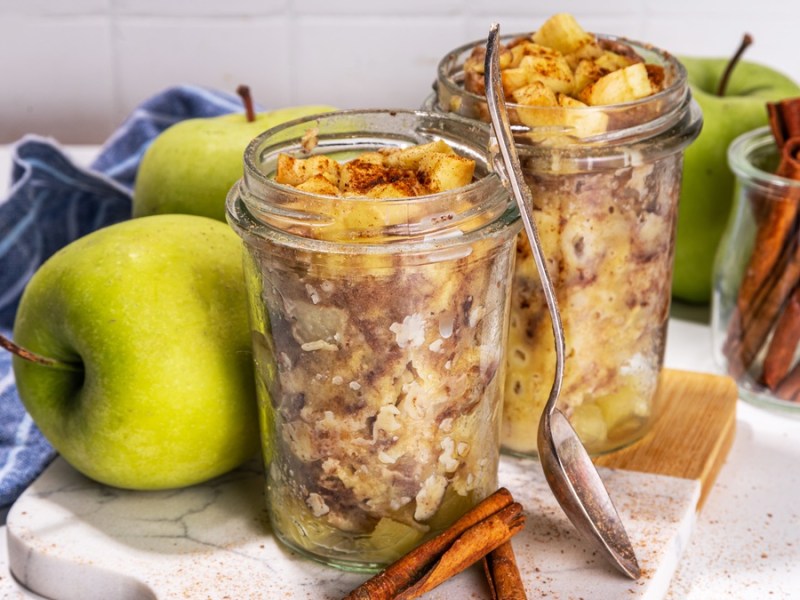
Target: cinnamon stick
(789, 388)
(770, 239)
(500, 567)
(784, 119)
(750, 328)
(410, 568)
(783, 345)
(469, 548)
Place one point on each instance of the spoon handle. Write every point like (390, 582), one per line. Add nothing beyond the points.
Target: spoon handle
(511, 172)
(567, 467)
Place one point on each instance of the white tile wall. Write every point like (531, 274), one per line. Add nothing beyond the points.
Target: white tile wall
(358, 8)
(199, 8)
(370, 71)
(154, 54)
(73, 69)
(57, 76)
(54, 7)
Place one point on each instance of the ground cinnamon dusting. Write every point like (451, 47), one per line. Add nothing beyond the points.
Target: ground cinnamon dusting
(390, 173)
(365, 175)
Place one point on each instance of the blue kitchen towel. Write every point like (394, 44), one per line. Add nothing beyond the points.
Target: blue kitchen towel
(52, 202)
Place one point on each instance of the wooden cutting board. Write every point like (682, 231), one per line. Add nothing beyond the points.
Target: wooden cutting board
(693, 433)
(71, 538)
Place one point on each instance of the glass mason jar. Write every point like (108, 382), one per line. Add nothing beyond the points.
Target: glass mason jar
(755, 277)
(605, 182)
(378, 330)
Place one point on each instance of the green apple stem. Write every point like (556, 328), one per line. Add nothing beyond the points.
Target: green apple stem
(37, 358)
(747, 39)
(247, 100)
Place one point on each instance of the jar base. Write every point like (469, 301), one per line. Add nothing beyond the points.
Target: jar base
(595, 452)
(350, 566)
(767, 401)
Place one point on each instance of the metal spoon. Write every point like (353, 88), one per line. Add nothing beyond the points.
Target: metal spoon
(566, 464)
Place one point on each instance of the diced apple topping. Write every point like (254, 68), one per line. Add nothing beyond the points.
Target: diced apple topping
(537, 63)
(388, 173)
(623, 85)
(295, 172)
(562, 33)
(535, 94)
(442, 172)
(563, 66)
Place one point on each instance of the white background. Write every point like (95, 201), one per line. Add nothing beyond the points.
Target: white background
(73, 69)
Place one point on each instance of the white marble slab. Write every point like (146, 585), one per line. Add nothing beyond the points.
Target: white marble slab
(70, 538)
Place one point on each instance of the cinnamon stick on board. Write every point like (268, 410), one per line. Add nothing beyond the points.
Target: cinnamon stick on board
(500, 567)
(774, 266)
(407, 570)
(469, 548)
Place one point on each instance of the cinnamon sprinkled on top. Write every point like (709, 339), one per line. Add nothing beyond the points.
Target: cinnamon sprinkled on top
(388, 173)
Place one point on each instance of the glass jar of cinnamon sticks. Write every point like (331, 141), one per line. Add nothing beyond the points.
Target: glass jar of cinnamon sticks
(756, 303)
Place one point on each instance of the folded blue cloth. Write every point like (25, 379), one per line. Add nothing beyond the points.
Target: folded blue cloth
(51, 203)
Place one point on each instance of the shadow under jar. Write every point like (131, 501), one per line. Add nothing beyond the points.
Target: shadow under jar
(379, 327)
(605, 182)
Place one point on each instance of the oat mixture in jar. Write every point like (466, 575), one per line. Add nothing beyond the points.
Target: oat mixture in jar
(378, 273)
(609, 241)
(601, 124)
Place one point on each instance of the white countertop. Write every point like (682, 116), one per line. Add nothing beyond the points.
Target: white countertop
(747, 540)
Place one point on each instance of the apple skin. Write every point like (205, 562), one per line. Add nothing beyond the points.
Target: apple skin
(191, 165)
(154, 312)
(708, 184)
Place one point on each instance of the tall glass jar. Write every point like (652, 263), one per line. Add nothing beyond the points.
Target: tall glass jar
(605, 182)
(379, 328)
(755, 305)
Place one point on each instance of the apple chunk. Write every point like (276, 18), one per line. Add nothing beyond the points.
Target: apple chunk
(150, 318)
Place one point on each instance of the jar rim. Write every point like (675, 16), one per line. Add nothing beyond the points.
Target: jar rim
(740, 154)
(246, 210)
(676, 93)
(254, 144)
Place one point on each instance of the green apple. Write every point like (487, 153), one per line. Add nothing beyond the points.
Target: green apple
(707, 191)
(150, 383)
(190, 166)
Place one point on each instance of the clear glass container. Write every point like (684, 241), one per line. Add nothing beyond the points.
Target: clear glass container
(755, 275)
(605, 182)
(379, 328)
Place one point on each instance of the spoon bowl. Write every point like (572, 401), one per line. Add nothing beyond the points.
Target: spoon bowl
(581, 493)
(569, 471)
